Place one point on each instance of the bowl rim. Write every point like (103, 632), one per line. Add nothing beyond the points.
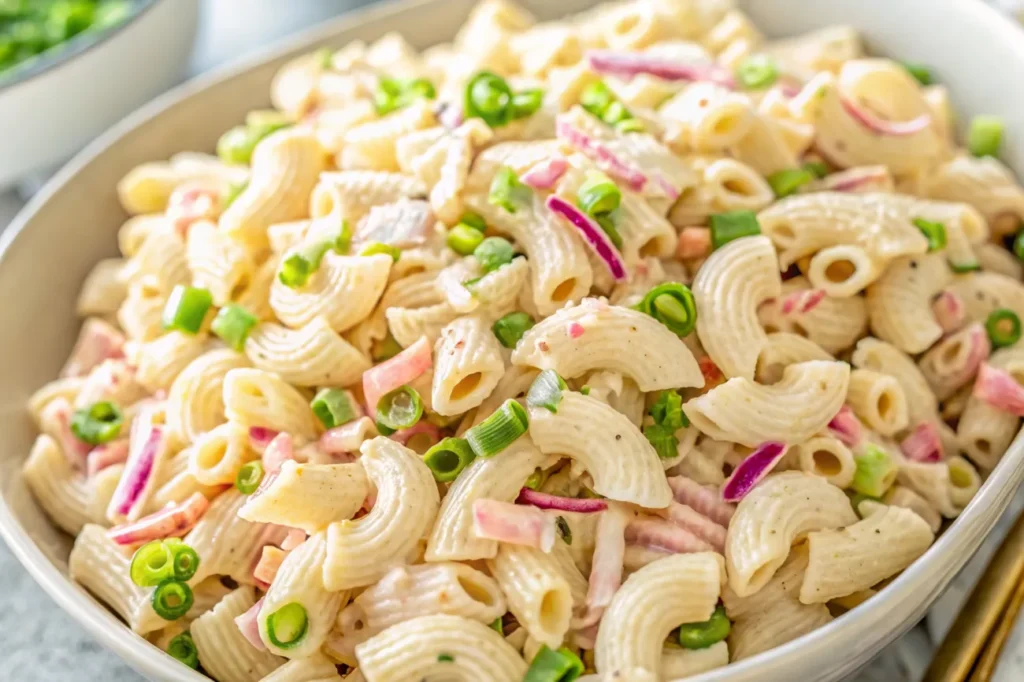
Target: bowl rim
(933, 568)
(70, 49)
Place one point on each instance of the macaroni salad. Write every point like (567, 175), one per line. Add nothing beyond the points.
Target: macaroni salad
(617, 348)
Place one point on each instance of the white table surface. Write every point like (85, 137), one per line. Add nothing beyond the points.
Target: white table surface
(43, 644)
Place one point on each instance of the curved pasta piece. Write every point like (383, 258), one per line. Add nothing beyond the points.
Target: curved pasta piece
(984, 183)
(706, 117)
(878, 400)
(783, 349)
(798, 406)
(350, 194)
(802, 224)
(415, 649)
(493, 478)
(983, 292)
(217, 455)
(160, 259)
(614, 338)
(224, 651)
(827, 457)
(253, 397)
(160, 361)
(316, 668)
(408, 325)
(285, 169)
(313, 355)
(682, 588)
(899, 303)
(779, 511)
(309, 496)
(833, 323)
(496, 291)
(622, 462)
(140, 314)
(329, 292)
(885, 358)
(418, 290)
(361, 551)
(468, 365)
(729, 287)
(218, 263)
(195, 403)
(984, 432)
(64, 494)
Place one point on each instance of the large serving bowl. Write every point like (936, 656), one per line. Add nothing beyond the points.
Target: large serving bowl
(72, 223)
(66, 97)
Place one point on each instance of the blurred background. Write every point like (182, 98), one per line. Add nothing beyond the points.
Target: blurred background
(190, 37)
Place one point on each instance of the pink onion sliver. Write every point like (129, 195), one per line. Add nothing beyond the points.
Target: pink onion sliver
(662, 535)
(570, 504)
(629, 64)
(999, 389)
(882, 126)
(802, 301)
(173, 521)
(513, 523)
(294, 538)
(752, 470)
(139, 468)
(545, 174)
(422, 427)
(857, 179)
(260, 437)
(450, 115)
(949, 310)
(249, 625)
(634, 178)
(694, 242)
(269, 564)
(687, 517)
(846, 427)
(592, 234)
(705, 500)
(924, 444)
(606, 565)
(56, 421)
(106, 455)
(396, 372)
(98, 341)
(576, 330)
(280, 450)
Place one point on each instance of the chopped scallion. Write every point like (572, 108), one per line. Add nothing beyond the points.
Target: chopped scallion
(333, 407)
(598, 195)
(961, 268)
(757, 71)
(447, 459)
(875, 472)
(301, 263)
(488, 97)
(702, 635)
(385, 349)
(546, 391)
(672, 304)
(1003, 327)
(526, 103)
(921, 73)
(97, 424)
(400, 408)
(152, 564)
(473, 220)
(463, 239)
(506, 191)
(667, 411)
(249, 477)
(373, 248)
(726, 227)
(494, 252)
(554, 666)
(233, 324)
(818, 168)
(499, 430)
(985, 135)
(172, 599)
(287, 626)
(663, 439)
(935, 233)
(563, 529)
(184, 650)
(393, 94)
(1018, 245)
(186, 309)
(786, 182)
(510, 328)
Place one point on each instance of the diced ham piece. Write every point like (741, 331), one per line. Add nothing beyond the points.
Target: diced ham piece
(280, 450)
(545, 174)
(513, 523)
(106, 455)
(190, 203)
(999, 389)
(396, 372)
(295, 537)
(98, 341)
(270, 562)
(694, 242)
(924, 444)
(347, 437)
(173, 521)
(405, 224)
(56, 422)
(802, 301)
(689, 518)
(950, 311)
(427, 432)
(607, 564)
(846, 427)
(705, 500)
(664, 536)
(249, 625)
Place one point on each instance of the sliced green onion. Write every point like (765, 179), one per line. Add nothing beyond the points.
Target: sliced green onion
(488, 97)
(667, 411)
(463, 239)
(1018, 245)
(152, 564)
(186, 309)
(563, 529)
(598, 195)
(186, 560)
(471, 282)
(630, 125)
(267, 119)
(385, 349)
(616, 113)
(584, 389)
(393, 94)
(506, 191)
(494, 252)
(546, 391)
(447, 459)
(400, 408)
(324, 58)
(497, 626)
(249, 477)
(672, 304)
(786, 182)
(97, 424)
(510, 328)
(184, 650)
(961, 268)
(233, 324)
(596, 98)
(607, 225)
(343, 242)
(445, 658)
(333, 407)
(526, 103)
(757, 71)
(818, 168)
(373, 248)
(499, 430)
(663, 439)
(933, 231)
(535, 480)
(985, 135)
(287, 626)
(383, 429)
(732, 225)
(172, 599)
(236, 145)
(857, 498)
(1003, 327)
(235, 190)
(921, 73)
(554, 666)
(299, 266)
(875, 472)
(473, 220)
(702, 635)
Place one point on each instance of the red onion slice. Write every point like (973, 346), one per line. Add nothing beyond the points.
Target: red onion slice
(999, 389)
(592, 234)
(280, 450)
(704, 499)
(269, 564)
(175, 520)
(260, 437)
(570, 504)
(249, 625)
(600, 154)
(513, 523)
(545, 174)
(707, 530)
(98, 341)
(147, 441)
(606, 567)
(658, 534)
(923, 444)
(629, 64)
(864, 178)
(882, 127)
(347, 437)
(752, 470)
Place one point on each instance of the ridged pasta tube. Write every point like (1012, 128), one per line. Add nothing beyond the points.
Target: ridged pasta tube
(827, 457)
(65, 495)
(677, 663)
(783, 349)
(798, 406)
(217, 262)
(313, 355)
(217, 455)
(309, 496)
(160, 361)
(878, 400)
(195, 403)
(729, 287)
(360, 552)
(468, 365)
(780, 510)
(885, 358)
(224, 652)
(622, 462)
(833, 323)
(350, 195)
(899, 303)
(614, 338)
(983, 292)
(316, 668)
(253, 397)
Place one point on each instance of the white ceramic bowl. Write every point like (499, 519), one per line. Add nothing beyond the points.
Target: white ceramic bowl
(89, 84)
(72, 223)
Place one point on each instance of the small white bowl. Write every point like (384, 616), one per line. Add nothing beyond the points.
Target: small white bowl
(87, 85)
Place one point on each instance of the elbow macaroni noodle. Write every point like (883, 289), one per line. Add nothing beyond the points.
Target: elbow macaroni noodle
(829, 317)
